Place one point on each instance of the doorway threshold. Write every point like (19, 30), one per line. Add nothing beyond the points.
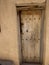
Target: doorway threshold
(31, 64)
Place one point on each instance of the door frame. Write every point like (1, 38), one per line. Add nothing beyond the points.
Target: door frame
(41, 6)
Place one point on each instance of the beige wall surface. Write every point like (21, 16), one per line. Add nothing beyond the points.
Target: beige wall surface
(9, 31)
(29, 1)
(9, 41)
(47, 33)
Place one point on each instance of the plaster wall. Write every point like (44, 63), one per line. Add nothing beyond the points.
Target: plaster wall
(9, 40)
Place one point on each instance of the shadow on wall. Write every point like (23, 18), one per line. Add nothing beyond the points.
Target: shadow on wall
(6, 62)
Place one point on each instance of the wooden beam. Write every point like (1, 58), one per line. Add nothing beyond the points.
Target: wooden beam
(31, 6)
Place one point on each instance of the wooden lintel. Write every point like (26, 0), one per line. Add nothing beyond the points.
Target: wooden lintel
(26, 6)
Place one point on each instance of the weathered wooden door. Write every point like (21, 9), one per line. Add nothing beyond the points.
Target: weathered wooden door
(31, 35)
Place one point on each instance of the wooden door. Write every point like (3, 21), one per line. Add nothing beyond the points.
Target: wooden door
(30, 35)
